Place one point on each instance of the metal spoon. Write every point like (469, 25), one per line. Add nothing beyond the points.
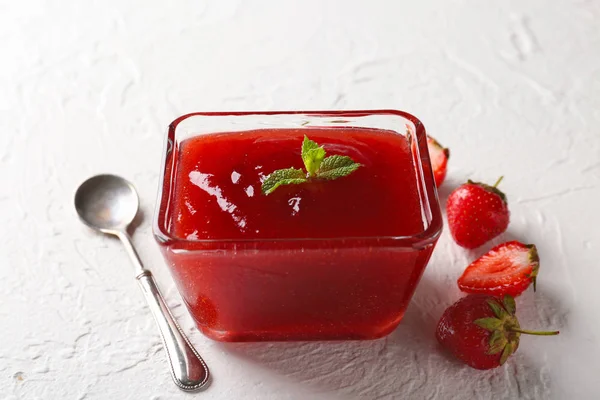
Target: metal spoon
(108, 203)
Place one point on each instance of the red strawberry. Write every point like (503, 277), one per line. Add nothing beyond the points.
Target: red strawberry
(439, 156)
(481, 330)
(477, 213)
(508, 268)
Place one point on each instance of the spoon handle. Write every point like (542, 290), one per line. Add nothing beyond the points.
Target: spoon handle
(188, 369)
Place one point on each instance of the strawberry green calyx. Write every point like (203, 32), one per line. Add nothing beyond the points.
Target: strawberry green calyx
(534, 259)
(490, 188)
(505, 329)
(498, 181)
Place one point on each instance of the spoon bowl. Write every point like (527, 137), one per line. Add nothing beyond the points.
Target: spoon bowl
(107, 203)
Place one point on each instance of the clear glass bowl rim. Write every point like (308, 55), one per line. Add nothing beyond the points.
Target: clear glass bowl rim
(420, 240)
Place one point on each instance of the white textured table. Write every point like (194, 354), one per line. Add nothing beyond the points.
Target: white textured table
(513, 87)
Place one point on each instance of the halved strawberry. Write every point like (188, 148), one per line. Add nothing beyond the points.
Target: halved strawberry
(508, 268)
(439, 159)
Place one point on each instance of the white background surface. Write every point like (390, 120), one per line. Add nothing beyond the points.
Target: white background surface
(512, 87)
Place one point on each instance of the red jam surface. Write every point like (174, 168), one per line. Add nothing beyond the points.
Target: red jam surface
(219, 177)
(242, 285)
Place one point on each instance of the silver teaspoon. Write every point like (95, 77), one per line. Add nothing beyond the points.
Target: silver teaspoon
(108, 203)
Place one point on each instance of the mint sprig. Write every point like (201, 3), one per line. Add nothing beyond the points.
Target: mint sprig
(318, 167)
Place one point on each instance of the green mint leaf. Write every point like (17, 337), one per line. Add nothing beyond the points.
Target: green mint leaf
(308, 145)
(312, 155)
(317, 167)
(280, 177)
(334, 167)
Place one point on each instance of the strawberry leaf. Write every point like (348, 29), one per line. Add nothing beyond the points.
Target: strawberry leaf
(490, 324)
(497, 342)
(509, 349)
(509, 304)
(499, 311)
(534, 259)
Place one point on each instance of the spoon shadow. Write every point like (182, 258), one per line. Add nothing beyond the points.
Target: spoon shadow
(137, 221)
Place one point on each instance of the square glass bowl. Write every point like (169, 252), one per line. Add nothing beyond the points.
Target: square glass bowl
(298, 289)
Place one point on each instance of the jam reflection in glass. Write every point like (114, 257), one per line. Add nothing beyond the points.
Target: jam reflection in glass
(318, 260)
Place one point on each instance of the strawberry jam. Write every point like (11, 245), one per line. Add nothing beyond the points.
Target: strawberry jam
(315, 260)
(219, 187)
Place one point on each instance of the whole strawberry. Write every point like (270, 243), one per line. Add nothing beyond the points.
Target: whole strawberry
(477, 213)
(508, 268)
(439, 156)
(481, 330)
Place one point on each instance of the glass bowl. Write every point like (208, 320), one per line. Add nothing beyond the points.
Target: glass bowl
(298, 289)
